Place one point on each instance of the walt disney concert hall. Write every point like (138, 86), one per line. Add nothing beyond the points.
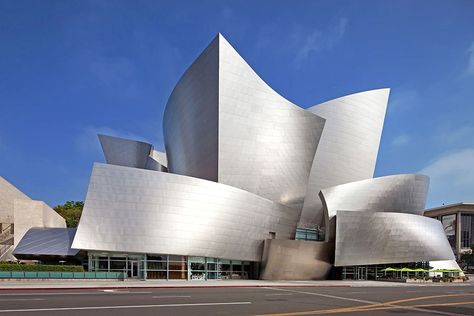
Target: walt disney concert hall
(253, 186)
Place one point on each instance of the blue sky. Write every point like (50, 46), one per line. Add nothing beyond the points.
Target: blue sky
(72, 69)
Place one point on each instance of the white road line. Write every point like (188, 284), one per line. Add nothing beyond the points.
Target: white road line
(324, 295)
(117, 307)
(74, 293)
(171, 296)
(429, 311)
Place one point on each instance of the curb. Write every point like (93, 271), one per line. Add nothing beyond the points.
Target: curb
(168, 287)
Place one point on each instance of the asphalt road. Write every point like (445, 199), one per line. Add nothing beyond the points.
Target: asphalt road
(420, 300)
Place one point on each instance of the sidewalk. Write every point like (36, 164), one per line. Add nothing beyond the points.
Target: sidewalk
(103, 284)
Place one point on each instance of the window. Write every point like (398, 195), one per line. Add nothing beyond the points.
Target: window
(467, 223)
(449, 225)
(309, 234)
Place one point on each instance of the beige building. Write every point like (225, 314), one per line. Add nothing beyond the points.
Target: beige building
(18, 213)
(458, 224)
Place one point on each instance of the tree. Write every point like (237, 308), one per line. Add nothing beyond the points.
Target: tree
(71, 211)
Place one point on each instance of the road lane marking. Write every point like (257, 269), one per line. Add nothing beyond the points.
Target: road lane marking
(117, 307)
(278, 294)
(379, 306)
(324, 295)
(74, 293)
(171, 296)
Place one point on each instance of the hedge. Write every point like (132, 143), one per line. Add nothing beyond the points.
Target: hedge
(40, 267)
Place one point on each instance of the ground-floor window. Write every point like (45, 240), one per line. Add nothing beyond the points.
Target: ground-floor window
(170, 267)
(376, 272)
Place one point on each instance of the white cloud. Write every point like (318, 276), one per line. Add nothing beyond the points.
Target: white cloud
(452, 178)
(319, 40)
(470, 63)
(401, 140)
(87, 141)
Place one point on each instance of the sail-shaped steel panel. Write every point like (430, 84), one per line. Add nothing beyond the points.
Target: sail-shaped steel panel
(348, 148)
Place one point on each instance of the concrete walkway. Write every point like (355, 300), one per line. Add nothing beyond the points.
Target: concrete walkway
(106, 284)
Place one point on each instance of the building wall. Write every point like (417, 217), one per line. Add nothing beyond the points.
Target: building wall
(266, 143)
(32, 213)
(296, 260)
(368, 237)
(461, 229)
(348, 147)
(8, 194)
(141, 211)
(125, 152)
(190, 121)
(404, 193)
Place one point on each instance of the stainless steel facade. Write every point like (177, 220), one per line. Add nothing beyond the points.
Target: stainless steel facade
(131, 153)
(348, 148)
(224, 123)
(142, 211)
(191, 119)
(266, 143)
(368, 237)
(404, 193)
(244, 167)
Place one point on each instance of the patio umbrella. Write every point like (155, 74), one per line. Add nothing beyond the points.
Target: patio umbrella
(389, 269)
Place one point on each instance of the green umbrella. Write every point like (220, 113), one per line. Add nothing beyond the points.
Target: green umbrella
(389, 269)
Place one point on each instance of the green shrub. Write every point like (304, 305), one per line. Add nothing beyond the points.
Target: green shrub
(39, 267)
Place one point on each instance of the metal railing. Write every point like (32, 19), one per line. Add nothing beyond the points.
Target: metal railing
(60, 275)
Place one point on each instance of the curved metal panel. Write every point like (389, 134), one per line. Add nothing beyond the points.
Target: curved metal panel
(224, 123)
(380, 238)
(136, 210)
(296, 260)
(266, 143)
(131, 153)
(348, 148)
(124, 152)
(405, 193)
(190, 121)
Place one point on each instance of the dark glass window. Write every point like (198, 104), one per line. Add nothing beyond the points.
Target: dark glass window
(449, 225)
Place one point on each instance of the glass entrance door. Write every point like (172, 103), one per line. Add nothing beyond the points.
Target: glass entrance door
(133, 269)
(361, 273)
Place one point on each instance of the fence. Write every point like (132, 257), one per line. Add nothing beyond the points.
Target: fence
(60, 275)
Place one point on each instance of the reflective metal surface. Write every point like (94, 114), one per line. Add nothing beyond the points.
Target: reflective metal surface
(369, 237)
(266, 143)
(246, 165)
(136, 210)
(46, 241)
(296, 260)
(224, 123)
(405, 193)
(191, 119)
(131, 153)
(348, 148)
